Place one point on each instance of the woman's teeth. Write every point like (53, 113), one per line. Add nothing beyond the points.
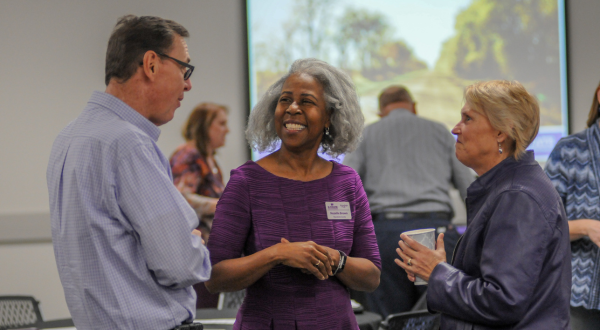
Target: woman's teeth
(295, 127)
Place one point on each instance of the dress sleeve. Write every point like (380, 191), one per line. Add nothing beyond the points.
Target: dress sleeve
(514, 247)
(558, 172)
(232, 221)
(161, 218)
(364, 244)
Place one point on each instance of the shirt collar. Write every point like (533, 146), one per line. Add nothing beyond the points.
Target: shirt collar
(400, 111)
(126, 112)
(507, 165)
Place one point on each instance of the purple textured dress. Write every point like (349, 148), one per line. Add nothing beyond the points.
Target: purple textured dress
(257, 209)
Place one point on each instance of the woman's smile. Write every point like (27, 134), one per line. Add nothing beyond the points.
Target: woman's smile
(294, 127)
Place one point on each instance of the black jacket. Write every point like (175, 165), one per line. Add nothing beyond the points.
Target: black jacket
(512, 267)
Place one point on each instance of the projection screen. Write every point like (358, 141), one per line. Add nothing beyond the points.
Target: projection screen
(433, 47)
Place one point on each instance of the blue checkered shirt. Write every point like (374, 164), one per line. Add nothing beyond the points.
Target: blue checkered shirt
(121, 230)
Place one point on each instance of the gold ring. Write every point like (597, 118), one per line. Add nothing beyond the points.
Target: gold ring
(409, 260)
(318, 263)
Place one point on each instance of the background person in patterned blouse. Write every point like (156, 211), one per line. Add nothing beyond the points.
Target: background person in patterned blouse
(574, 171)
(195, 170)
(197, 174)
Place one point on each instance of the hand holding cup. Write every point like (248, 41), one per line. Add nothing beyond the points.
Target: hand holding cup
(419, 260)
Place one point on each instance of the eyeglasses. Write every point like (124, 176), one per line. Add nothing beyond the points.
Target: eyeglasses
(189, 67)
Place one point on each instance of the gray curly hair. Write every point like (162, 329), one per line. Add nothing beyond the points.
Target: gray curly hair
(345, 116)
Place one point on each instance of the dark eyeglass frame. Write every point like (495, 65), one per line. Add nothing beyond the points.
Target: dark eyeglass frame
(190, 68)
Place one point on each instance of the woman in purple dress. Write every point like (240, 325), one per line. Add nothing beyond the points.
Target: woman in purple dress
(295, 229)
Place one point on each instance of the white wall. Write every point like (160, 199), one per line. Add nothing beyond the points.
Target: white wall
(30, 270)
(53, 58)
(583, 42)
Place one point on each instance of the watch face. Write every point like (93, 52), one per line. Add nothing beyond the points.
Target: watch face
(342, 262)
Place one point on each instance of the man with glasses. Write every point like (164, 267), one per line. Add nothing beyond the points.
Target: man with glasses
(124, 238)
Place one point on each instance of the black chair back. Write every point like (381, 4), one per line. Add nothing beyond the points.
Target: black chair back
(421, 304)
(414, 320)
(19, 311)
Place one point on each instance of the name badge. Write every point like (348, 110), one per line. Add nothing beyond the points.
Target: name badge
(338, 210)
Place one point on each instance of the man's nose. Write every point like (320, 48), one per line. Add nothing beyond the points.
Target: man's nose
(188, 85)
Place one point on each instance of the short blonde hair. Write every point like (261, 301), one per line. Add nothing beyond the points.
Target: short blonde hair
(509, 108)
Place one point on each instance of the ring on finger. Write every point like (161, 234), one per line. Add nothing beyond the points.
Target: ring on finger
(409, 260)
(318, 263)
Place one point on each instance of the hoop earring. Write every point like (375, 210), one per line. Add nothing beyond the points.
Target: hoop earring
(500, 148)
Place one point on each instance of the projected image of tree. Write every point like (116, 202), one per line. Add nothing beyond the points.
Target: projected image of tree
(482, 40)
(509, 40)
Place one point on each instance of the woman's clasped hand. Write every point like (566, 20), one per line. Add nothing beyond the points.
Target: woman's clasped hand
(310, 257)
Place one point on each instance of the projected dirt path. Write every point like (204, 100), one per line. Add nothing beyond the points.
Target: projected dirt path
(438, 96)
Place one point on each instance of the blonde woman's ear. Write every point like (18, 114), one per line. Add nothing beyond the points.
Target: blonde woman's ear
(501, 137)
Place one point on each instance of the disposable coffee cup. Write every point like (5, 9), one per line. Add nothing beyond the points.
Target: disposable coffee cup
(425, 237)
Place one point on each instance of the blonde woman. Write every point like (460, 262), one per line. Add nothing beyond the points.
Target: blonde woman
(512, 267)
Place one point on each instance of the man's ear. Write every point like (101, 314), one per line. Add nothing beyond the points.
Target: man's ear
(150, 65)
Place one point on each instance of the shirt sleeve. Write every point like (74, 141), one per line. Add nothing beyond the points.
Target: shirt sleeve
(161, 218)
(356, 159)
(514, 248)
(364, 244)
(232, 221)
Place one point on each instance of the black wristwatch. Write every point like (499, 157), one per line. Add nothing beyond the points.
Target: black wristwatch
(342, 262)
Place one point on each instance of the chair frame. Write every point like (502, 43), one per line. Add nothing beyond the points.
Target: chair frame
(224, 299)
(36, 310)
(405, 315)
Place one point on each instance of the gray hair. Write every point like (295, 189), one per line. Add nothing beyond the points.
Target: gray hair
(346, 118)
